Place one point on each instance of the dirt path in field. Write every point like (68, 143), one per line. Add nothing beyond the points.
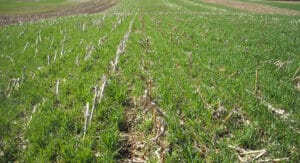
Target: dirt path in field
(254, 7)
(139, 142)
(83, 8)
(134, 146)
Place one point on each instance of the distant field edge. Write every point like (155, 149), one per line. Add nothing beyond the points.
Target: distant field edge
(89, 7)
(253, 7)
(285, 4)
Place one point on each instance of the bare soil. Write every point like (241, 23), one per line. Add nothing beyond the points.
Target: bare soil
(82, 8)
(133, 142)
(288, 2)
(253, 7)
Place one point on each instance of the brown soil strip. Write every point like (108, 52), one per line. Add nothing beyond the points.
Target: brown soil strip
(139, 141)
(287, 2)
(83, 8)
(134, 146)
(253, 7)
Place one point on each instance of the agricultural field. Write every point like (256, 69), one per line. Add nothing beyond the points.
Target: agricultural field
(151, 81)
(19, 11)
(294, 5)
(17, 7)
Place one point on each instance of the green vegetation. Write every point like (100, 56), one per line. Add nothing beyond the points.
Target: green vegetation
(202, 61)
(17, 7)
(281, 4)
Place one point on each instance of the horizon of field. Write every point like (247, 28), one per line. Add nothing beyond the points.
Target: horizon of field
(294, 5)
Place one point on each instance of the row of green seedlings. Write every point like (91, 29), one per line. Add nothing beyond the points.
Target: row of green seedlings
(123, 9)
(203, 14)
(174, 5)
(247, 155)
(119, 21)
(39, 40)
(174, 39)
(89, 49)
(24, 142)
(159, 125)
(137, 145)
(218, 112)
(15, 83)
(98, 92)
(82, 26)
(92, 6)
(214, 9)
(158, 114)
(237, 115)
(158, 122)
(99, 22)
(271, 107)
(134, 146)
